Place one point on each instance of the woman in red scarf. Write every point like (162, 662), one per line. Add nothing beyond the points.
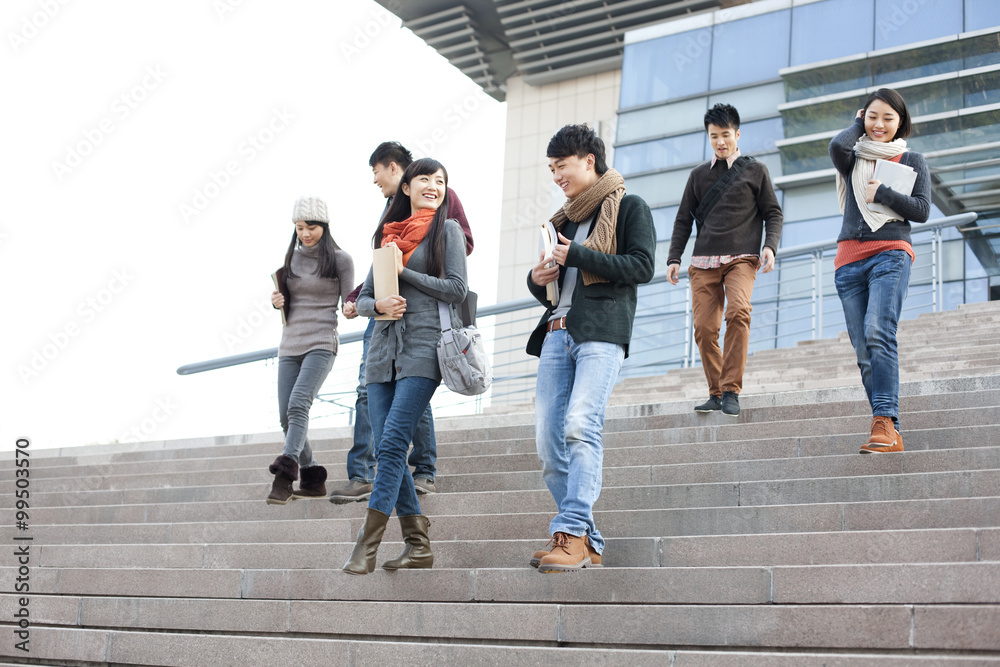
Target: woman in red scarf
(401, 370)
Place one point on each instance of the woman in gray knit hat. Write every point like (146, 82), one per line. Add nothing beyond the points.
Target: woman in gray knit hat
(317, 275)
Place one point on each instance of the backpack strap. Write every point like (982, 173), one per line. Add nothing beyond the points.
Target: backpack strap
(718, 188)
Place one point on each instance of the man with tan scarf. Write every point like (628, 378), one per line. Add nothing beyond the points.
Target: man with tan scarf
(606, 249)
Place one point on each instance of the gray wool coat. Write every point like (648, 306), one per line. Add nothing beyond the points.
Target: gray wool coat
(408, 346)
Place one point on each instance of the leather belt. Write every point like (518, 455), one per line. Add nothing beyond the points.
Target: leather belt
(555, 325)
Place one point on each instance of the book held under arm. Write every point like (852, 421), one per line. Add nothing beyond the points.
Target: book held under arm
(385, 274)
(549, 240)
(278, 277)
(899, 177)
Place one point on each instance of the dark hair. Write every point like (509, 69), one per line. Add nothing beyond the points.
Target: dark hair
(327, 256)
(390, 151)
(581, 141)
(898, 104)
(399, 209)
(722, 115)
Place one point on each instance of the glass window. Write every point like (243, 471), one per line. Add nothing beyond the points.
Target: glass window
(666, 68)
(916, 63)
(982, 89)
(982, 51)
(981, 14)
(823, 117)
(660, 154)
(751, 49)
(852, 21)
(813, 202)
(808, 156)
(753, 102)
(977, 290)
(659, 189)
(828, 80)
(660, 120)
(759, 136)
(810, 231)
(899, 22)
(663, 222)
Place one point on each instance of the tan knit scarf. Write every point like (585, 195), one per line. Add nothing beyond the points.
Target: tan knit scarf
(607, 193)
(866, 152)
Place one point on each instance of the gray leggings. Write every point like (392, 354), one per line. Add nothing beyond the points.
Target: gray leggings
(299, 380)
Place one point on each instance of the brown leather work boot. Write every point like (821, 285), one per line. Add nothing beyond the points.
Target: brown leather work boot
(884, 437)
(569, 554)
(536, 558)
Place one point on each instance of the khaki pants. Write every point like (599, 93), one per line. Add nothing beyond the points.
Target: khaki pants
(726, 288)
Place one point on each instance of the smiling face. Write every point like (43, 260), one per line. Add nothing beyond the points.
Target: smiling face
(723, 140)
(309, 234)
(426, 191)
(881, 122)
(387, 177)
(573, 174)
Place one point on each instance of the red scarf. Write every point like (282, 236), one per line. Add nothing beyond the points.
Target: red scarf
(407, 234)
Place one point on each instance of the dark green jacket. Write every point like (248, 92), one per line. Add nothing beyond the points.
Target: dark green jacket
(604, 311)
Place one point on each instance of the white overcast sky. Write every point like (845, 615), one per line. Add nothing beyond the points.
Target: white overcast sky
(151, 154)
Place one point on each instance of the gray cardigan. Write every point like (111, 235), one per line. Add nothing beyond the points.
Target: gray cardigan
(408, 346)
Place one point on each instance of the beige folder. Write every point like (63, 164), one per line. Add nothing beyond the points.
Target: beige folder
(385, 275)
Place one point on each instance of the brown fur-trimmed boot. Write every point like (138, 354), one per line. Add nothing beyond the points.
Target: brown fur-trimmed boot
(285, 471)
(417, 552)
(313, 484)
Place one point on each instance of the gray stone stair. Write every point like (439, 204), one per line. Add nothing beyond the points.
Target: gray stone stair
(761, 540)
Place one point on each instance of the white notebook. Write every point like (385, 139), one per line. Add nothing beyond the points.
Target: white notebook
(893, 175)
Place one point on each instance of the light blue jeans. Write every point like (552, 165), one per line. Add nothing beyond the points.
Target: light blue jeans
(396, 408)
(872, 291)
(299, 380)
(571, 394)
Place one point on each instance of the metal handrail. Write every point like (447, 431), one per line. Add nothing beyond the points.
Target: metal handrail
(806, 250)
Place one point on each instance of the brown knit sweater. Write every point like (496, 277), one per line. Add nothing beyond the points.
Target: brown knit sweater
(748, 209)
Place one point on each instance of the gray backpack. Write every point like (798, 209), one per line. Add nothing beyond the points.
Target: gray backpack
(465, 366)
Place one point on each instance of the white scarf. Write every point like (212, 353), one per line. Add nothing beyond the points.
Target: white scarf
(866, 152)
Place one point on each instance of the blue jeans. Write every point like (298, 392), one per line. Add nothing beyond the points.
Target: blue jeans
(872, 292)
(299, 380)
(361, 458)
(395, 408)
(571, 394)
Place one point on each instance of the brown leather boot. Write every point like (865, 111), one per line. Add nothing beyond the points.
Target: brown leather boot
(362, 560)
(884, 437)
(313, 484)
(569, 554)
(417, 552)
(285, 471)
(536, 558)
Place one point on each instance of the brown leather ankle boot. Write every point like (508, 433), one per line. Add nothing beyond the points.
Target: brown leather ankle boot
(417, 552)
(362, 560)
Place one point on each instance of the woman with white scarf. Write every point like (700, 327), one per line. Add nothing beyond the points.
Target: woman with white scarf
(874, 252)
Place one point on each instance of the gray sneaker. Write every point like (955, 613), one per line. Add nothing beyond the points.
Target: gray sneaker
(424, 486)
(354, 492)
(730, 404)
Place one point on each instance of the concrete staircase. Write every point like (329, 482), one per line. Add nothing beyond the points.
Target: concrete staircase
(763, 540)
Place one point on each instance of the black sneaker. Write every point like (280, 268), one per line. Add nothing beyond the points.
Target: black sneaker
(731, 403)
(711, 405)
(354, 492)
(424, 486)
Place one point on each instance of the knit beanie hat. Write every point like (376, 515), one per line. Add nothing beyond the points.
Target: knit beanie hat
(310, 209)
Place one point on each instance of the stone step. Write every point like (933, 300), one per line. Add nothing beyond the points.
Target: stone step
(655, 465)
(881, 487)
(841, 547)
(908, 583)
(883, 627)
(980, 512)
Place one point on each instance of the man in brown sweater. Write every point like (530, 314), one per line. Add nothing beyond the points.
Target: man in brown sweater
(727, 252)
